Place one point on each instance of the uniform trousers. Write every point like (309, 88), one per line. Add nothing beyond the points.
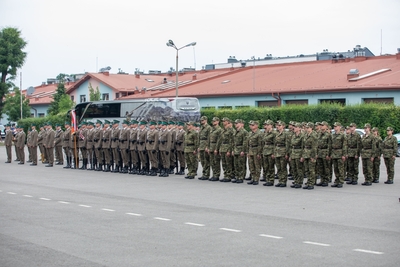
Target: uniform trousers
(107, 156)
(255, 167)
(215, 160)
(338, 166)
(269, 168)
(20, 154)
(135, 158)
(309, 169)
(125, 156)
(367, 169)
(298, 171)
(144, 160)
(239, 166)
(323, 169)
(389, 163)
(205, 163)
(165, 159)
(192, 163)
(352, 166)
(50, 155)
(376, 168)
(99, 155)
(227, 165)
(34, 154)
(59, 154)
(181, 158)
(9, 155)
(281, 167)
(153, 158)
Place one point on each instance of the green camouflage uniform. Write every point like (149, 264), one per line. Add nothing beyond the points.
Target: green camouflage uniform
(225, 145)
(204, 136)
(281, 150)
(254, 154)
(324, 150)
(368, 144)
(268, 161)
(295, 154)
(353, 150)
(389, 149)
(310, 156)
(377, 159)
(215, 158)
(191, 145)
(240, 145)
(339, 149)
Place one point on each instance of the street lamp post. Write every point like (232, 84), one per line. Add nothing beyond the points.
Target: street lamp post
(171, 44)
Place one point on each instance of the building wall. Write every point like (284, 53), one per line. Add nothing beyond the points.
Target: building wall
(83, 89)
(37, 110)
(314, 98)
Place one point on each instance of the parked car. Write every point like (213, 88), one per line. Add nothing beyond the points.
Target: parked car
(398, 144)
(2, 130)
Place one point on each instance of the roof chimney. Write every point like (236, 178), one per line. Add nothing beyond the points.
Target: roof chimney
(137, 75)
(194, 77)
(353, 73)
(106, 73)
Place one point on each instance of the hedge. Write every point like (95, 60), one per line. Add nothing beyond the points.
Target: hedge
(378, 115)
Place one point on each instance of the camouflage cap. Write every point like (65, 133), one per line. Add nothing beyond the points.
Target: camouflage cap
(190, 123)
(353, 124)
(203, 118)
(268, 122)
(280, 123)
(292, 123)
(348, 127)
(375, 129)
(215, 119)
(389, 129)
(254, 123)
(297, 125)
(226, 119)
(317, 123)
(238, 121)
(367, 125)
(324, 123)
(310, 125)
(337, 124)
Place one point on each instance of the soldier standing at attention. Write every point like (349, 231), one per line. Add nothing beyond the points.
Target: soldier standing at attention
(368, 151)
(133, 137)
(295, 155)
(240, 148)
(82, 143)
(33, 144)
(164, 146)
(42, 149)
(255, 149)
(49, 144)
(106, 146)
(290, 133)
(281, 152)
(309, 155)
(191, 146)
(377, 157)
(124, 137)
(353, 154)
(141, 147)
(324, 152)
(224, 146)
(172, 155)
(92, 160)
(114, 146)
(180, 147)
(152, 147)
(97, 144)
(389, 148)
(268, 150)
(8, 143)
(65, 144)
(58, 145)
(28, 144)
(215, 158)
(20, 144)
(204, 136)
(338, 154)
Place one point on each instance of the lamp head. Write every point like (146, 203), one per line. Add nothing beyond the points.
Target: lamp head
(171, 43)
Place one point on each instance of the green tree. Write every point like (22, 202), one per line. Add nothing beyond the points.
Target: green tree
(11, 58)
(12, 105)
(60, 94)
(65, 104)
(94, 95)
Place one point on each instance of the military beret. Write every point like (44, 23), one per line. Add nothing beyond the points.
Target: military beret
(389, 129)
(180, 123)
(33, 124)
(197, 124)
(164, 123)
(226, 119)
(353, 124)
(142, 123)
(238, 121)
(48, 123)
(133, 122)
(91, 123)
(107, 122)
(171, 123)
(152, 123)
(58, 125)
(367, 125)
(159, 122)
(99, 122)
(125, 122)
(215, 119)
(8, 125)
(115, 122)
(67, 123)
(84, 123)
(254, 123)
(337, 124)
(203, 118)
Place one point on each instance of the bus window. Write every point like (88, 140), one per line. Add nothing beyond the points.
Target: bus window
(108, 110)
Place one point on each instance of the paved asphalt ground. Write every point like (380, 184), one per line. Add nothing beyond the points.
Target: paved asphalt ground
(59, 217)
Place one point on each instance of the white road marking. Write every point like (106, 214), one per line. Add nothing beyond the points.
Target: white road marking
(133, 214)
(271, 236)
(161, 219)
(42, 198)
(107, 210)
(11, 193)
(194, 224)
(27, 195)
(368, 251)
(85, 206)
(317, 244)
(230, 230)
(63, 202)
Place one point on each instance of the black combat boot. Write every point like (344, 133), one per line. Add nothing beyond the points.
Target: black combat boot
(68, 163)
(100, 168)
(182, 171)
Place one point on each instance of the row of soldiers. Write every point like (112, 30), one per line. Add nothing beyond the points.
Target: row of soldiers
(149, 148)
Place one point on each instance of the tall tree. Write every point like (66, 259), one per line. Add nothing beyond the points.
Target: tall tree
(60, 94)
(12, 105)
(11, 58)
(94, 95)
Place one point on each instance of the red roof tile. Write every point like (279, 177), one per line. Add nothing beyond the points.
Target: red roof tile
(43, 93)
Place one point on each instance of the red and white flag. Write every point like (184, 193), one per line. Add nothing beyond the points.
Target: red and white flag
(74, 127)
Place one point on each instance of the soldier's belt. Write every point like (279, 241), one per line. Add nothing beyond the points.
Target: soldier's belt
(296, 147)
(307, 147)
(352, 147)
(254, 146)
(105, 139)
(225, 143)
(280, 145)
(213, 142)
(268, 143)
(337, 147)
(203, 139)
(89, 141)
(190, 145)
(388, 147)
(367, 148)
(322, 147)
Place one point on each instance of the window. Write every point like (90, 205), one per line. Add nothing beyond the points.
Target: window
(83, 98)
(116, 95)
(41, 115)
(106, 97)
(72, 98)
(239, 107)
(297, 102)
(225, 107)
(271, 103)
(207, 107)
(388, 100)
(341, 101)
(32, 115)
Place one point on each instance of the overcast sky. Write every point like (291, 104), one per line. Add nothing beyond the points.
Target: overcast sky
(68, 36)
